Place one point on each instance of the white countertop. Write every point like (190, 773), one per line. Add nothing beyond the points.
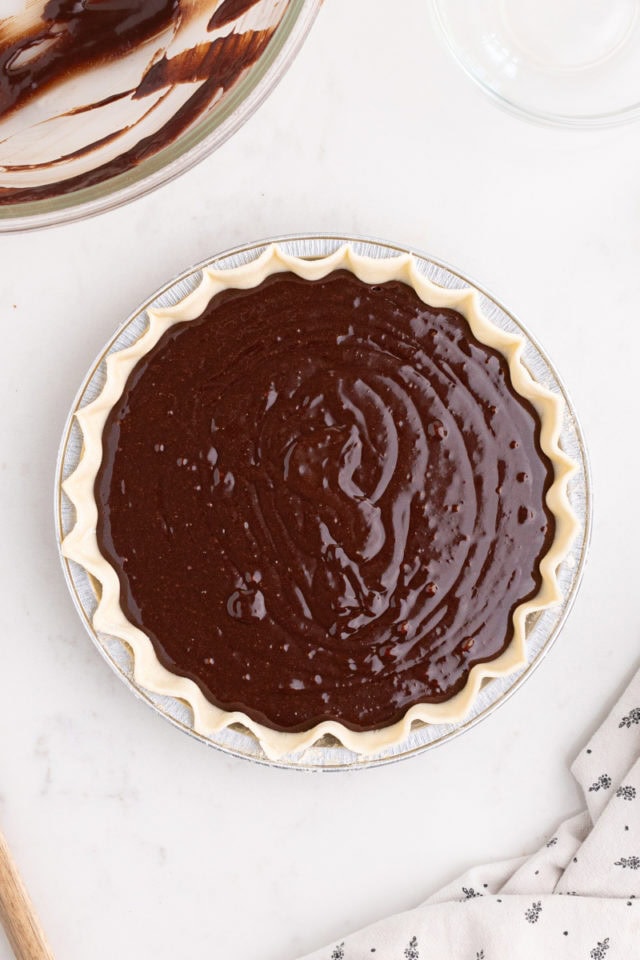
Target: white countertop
(136, 841)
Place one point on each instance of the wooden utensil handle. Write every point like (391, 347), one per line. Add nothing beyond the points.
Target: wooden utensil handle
(17, 914)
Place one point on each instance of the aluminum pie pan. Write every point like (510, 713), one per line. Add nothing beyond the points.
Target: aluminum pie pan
(542, 629)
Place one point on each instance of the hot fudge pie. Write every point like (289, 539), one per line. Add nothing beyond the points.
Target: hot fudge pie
(321, 496)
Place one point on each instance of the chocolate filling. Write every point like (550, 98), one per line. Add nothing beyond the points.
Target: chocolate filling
(323, 500)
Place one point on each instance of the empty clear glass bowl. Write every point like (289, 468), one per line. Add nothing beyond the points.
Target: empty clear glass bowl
(567, 62)
(104, 100)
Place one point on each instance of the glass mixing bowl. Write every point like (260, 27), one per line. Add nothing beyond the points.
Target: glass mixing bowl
(572, 63)
(101, 101)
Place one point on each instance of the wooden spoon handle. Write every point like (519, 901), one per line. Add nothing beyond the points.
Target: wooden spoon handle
(17, 914)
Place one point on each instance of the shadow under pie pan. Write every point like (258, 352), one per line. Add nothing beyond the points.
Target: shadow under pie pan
(540, 627)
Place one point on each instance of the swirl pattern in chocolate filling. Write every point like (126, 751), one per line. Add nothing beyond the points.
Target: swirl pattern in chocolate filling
(324, 500)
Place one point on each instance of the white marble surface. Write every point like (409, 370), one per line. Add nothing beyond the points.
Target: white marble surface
(138, 842)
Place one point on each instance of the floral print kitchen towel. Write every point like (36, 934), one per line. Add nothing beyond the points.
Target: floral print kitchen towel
(578, 898)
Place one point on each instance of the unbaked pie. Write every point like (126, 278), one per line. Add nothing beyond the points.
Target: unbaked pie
(321, 496)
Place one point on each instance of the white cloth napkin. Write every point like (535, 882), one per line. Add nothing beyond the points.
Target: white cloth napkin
(578, 898)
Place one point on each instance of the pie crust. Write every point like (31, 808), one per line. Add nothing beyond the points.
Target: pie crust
(81, 544)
